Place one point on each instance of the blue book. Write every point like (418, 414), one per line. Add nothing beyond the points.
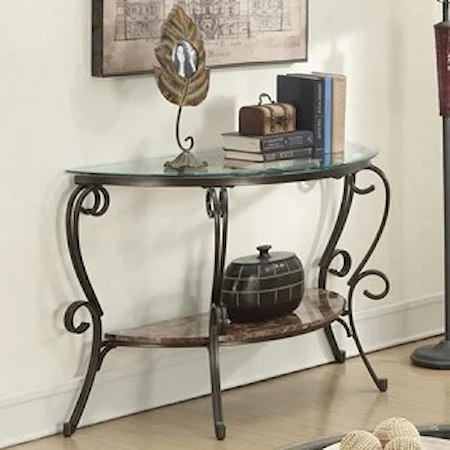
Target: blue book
(327, 114)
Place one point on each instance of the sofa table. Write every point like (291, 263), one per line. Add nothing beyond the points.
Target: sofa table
(318, 309)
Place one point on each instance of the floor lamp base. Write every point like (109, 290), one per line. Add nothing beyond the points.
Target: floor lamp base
(433, 356)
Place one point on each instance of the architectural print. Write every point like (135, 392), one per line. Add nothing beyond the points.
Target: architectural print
(234, 31)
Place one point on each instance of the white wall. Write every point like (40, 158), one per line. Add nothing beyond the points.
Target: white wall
(150, 255)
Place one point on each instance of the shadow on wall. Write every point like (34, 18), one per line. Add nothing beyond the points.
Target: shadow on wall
(325, 222)
(219, 117)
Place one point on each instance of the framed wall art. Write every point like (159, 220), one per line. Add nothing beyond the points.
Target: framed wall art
(235, 32)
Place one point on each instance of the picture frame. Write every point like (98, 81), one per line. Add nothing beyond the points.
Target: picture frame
(236, 32)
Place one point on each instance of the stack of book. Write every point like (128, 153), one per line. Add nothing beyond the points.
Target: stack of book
(267, 148)
(320, 102)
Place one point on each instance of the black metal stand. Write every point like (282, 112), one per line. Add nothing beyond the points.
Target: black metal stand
(360, 273)
(186, 159)
(438, 356)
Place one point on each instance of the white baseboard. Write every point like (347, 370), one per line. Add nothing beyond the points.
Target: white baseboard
(155, 383)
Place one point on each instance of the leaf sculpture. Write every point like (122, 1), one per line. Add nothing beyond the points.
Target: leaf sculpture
(182, 91)
(182, 77)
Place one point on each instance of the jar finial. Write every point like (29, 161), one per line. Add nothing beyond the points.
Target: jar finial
(264, 251)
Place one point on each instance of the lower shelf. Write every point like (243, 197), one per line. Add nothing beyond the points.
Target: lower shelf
(318, 309)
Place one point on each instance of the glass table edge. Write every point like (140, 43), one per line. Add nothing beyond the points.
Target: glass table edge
(86, 175)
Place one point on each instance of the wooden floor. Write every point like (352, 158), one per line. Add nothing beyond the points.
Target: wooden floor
(315, 403)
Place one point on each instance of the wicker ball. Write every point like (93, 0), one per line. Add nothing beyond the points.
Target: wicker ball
(395, 427)
(404, 443)
(360, 440)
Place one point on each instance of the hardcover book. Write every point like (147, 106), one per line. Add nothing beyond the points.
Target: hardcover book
(277, 155)
(338, 111)
(327, 112)
(306, 93)
(299, 163)
(262, 144)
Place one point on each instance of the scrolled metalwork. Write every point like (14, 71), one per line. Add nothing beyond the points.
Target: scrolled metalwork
(331, 252)
(94, 365)
(76, 206)
(217, 202)
(99, 349)
(212, 203)
(360, 273)
(381, 383)
(189, 140)
(106, 348)
(372, 273)
(356, 277)
(101, 202)
(215, 324)
(71, 311)
(345, 326)
(346, 263)
(217, 209)
(359, 190)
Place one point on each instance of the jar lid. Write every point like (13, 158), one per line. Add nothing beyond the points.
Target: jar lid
(264, 256)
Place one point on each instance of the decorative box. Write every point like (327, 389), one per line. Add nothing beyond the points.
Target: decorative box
(268, 118)
(263, 286)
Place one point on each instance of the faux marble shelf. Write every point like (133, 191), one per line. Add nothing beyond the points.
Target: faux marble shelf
(318, 309)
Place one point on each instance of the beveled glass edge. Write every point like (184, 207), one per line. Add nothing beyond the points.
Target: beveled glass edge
(228, 173)
(221, 181)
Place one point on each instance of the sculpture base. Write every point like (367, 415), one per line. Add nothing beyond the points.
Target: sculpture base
(185, 160)
(433, 356)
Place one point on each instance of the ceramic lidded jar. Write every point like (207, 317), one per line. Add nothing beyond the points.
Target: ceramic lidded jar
(263, 286)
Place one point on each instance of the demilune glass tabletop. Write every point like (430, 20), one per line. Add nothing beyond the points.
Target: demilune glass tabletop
(220, 172)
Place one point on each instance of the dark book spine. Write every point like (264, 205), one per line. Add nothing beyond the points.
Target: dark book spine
(288, 154)
(307, 95)
(318, 115)
(288, 142)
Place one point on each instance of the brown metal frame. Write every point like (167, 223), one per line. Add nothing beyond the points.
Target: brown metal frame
(91, 186)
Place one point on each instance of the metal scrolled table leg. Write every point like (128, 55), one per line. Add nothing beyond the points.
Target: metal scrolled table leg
(330, 253)
(99, 348)
(215, 320)
(360, 273)
(217, 209)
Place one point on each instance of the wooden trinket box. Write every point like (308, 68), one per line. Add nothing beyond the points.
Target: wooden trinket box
(268, 118)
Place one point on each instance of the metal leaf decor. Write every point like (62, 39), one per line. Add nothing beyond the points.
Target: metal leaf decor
(182, 77)
(187, 91)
